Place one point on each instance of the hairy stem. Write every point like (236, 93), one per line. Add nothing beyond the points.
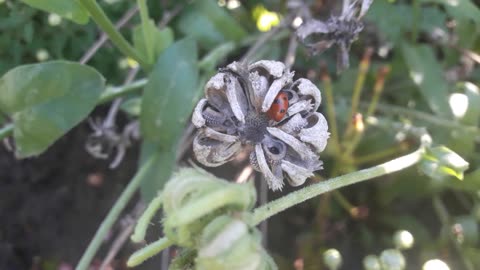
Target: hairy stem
(149, 251)
(6, 131)
(116, 91)
(143, 222)
(101, 19)
(115, 211)
(314, 190)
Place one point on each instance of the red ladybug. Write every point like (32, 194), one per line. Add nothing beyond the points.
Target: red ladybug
(279, 107)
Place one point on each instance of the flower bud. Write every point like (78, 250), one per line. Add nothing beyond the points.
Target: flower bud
(371, 262)
(228, 243)
(193, 197)
(439, 162)
(392, 259)
(403, 239)
(332, 259)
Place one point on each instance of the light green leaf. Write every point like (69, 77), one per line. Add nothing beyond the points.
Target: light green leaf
(160, 39)
(170, 94)
(69, 9)
(426, 73)
(46, 100)
(209, 24)
(132, 106)
(459, 8)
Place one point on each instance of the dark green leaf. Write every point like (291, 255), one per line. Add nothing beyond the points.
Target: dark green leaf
(69, 9)
(132, 106)
(159, 173)
(209, 24)
(426, 73)
(459, 8)
(169, 95)
(46, 100)
(160, 39)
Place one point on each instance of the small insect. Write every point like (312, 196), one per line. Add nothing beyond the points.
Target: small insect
(279, 107)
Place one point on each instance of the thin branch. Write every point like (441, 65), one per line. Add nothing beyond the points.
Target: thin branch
(294, 198)
(103, 38)
(6, 131)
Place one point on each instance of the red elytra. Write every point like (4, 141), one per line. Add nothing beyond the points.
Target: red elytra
(279, 107)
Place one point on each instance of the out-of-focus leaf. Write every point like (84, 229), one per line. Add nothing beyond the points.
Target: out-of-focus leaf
(167, 102)
(169, 94)
(69, 9)
(46, 100)
(459, 8)
(468, 108)
(159, 173)
(160, 39)
(426, 73)
(132, 106)
(392, 26)
(209, 24)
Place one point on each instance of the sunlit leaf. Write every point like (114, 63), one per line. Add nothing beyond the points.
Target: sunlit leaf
(69, 9)
(426, 73)
(209, 24)
(46, 100)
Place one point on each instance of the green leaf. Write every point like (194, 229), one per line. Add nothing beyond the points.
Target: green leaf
(209, 24)
(459, 8)
(69, 9)
(159, 173)
(132, 106)
(160, 39)
(170, 94)
(46, 100)
(426, 73)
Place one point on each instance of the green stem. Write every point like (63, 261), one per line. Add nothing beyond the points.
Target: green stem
(442, 122)
(445, 219)
(416, 20)
(144, 221)
(101, 19)
(377, 155)
(149, 251)
(314, 190)
(112, 216)
(6, 131)
(142, 5)
(332, 118)
(207, 204)
(116, 91)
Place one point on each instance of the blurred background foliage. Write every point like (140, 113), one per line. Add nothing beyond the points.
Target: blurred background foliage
(430, 47)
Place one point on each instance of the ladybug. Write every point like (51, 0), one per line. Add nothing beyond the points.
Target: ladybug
(279, 107)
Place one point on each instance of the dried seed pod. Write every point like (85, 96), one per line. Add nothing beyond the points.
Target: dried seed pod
(237, 111)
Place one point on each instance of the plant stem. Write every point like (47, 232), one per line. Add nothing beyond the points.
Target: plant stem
(149, 251)
(378, 155)
(116, 91)
(115, 211)
(445, 219)
(416, 20)
(332, 118)
(147, 37)
(357, 89)
(276, 206)
(101, 19)
(144, 220)
(6, 131)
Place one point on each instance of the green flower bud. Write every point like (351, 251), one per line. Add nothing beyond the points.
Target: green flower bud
(192, 198)
(435, 264)
(371, 262)
(392, 259)
(228, 243)
(403, 239)
(332, 259)
(439, 162)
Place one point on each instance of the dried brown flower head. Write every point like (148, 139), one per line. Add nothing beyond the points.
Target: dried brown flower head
(234, 113)
(341, 30)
